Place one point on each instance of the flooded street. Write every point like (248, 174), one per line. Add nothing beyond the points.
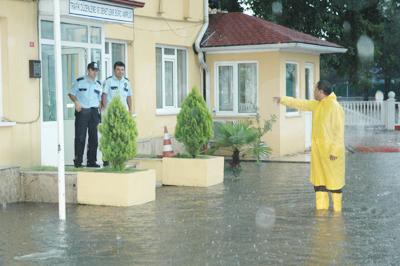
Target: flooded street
(266, 217)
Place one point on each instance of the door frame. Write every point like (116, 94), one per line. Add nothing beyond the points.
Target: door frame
(308, 115)
(49, 128)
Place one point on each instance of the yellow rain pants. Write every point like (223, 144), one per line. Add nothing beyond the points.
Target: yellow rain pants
(327, 139)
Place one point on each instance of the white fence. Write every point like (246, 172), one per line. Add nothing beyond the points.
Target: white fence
(372, 113)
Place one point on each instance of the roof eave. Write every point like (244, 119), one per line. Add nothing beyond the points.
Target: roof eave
(130, 3)
(285, 47)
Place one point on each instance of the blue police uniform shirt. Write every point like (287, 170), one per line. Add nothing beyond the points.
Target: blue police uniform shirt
(117, 87)
(87, 91)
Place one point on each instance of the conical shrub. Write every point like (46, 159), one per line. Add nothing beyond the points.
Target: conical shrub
(118, 135)
(194, 125)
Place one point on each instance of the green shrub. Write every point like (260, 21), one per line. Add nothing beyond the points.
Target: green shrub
(236, 136)
(242, 136)
(194, 125)
(118, 135)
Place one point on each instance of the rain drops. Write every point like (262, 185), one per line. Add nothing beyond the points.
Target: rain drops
(277, 8)
(365, 48)
(265, 217)
(346, 27)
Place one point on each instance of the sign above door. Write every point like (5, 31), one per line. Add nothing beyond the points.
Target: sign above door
(101, 11)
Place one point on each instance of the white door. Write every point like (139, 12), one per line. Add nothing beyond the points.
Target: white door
(309, 82)
(74, 61)
(73, 66)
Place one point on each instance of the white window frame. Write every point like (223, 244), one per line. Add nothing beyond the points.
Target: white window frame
(309, 66)
(87, 46)
(108, 57)
(235, 111)
(172, 110)
(297, 90)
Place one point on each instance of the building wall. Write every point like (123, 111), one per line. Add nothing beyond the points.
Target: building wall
(288, 133)
(151, 28)
(19, 144)
(177, 24)
(292, 129)
(269, 86)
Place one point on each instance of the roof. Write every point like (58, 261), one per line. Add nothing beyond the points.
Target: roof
(131, 3)
(238, 29)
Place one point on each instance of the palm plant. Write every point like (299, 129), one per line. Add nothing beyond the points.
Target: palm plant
(237, 136)
(242, 136)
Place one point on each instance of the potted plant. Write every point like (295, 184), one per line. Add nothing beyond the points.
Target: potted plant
(117, 185)
(241, 137)
(194, 130)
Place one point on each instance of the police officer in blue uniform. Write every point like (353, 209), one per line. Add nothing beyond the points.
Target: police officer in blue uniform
(86, 95)
(118, 85)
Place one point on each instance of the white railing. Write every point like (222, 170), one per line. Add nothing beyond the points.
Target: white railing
(373, 113)
(360, 113)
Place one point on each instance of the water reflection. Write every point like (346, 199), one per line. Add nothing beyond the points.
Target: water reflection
(328, 238)
(266, 217)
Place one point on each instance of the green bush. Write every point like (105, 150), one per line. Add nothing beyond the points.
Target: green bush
(118, 135)
(194, 125)
(242, 136)
(236, 136)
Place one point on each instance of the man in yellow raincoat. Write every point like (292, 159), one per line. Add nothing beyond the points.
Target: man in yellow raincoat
(327, 145)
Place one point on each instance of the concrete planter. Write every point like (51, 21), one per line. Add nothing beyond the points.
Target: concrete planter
(198, 172)
(42, 186)
(116, 189)
(151, 163)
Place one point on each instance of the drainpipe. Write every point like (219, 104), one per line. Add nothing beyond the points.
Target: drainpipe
(204, 73)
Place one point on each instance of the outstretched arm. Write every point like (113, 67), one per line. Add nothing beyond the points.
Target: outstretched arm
(304, 105)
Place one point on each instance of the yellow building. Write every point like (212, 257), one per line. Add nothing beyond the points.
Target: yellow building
(158, 40)
(250, 61)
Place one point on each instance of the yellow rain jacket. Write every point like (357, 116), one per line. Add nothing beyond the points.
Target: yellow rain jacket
(327, 139)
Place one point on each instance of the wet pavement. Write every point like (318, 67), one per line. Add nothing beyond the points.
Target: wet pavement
(372, 137)
(266, 217)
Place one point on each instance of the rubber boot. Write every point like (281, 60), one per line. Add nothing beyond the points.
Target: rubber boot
(321, 200)
(337, 202)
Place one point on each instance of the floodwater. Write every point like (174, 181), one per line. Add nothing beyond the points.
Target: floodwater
(266, 217)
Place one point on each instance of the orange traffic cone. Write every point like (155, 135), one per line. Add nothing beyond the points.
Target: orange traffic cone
(167, 148)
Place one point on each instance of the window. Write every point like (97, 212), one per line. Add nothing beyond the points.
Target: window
(292, 84)
(171, 78)
(80, 44)
(46, 30)
(309, 81)
(96, 57)
(236, 88)
(70, 32)
(74, 32)
(95, 35)
(115, 51)
(48, 83)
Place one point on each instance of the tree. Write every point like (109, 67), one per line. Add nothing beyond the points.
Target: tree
(344, 22)
(194, 125)
(118, 135)
(227, 5)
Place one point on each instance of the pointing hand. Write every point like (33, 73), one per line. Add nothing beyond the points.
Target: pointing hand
(277, 99)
